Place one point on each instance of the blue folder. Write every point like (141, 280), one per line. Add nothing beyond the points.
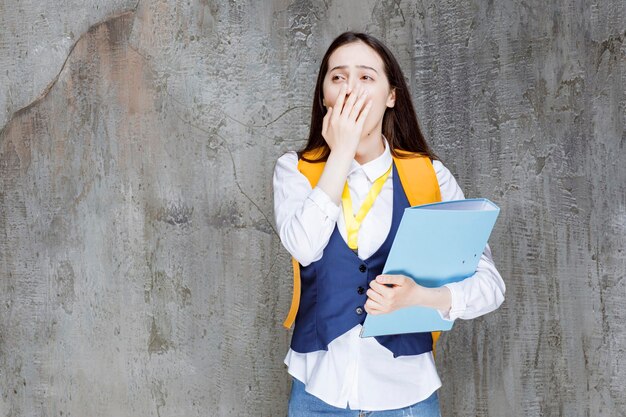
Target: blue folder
(435, 244)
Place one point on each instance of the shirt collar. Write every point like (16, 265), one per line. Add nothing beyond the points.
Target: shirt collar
(377, 166)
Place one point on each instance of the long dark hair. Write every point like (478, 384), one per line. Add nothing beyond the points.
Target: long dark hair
(400, 125)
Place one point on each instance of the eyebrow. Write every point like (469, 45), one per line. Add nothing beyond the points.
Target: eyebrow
(358, 66)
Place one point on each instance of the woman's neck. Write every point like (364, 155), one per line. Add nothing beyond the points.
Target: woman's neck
(370, 147)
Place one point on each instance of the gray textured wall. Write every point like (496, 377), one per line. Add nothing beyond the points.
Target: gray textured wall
(140, 272)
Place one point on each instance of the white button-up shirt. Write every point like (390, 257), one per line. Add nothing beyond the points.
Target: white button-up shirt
(354, 371)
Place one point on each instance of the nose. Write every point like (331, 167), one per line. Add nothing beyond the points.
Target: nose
(352, 86)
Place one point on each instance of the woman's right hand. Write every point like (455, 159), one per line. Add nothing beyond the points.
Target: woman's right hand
(342, 128)
(342, 125)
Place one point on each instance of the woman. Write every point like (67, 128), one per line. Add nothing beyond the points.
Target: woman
(363, 124)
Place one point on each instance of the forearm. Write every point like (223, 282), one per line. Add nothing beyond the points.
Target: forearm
(479, 294)
(438, 298)
(335, 172)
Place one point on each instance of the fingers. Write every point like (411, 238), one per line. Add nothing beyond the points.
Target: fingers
(378, 299)
(383, 299)
(373, 295)
(363, 115)
(325, 121)
(341, 97)
(391, 279)
(381, 289)
(358, 105)
(351, 106)
(372, 307)
(347, 108)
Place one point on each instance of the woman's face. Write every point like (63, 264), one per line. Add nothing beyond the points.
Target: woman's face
(358, 65)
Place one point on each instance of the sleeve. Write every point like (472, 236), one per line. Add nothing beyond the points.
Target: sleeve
(305, 217)
(484, 291)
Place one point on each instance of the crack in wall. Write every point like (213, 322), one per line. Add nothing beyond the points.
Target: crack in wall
(253, 126)
(225, 145)
(55, 79)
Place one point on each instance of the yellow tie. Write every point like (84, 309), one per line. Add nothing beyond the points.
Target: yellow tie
(353, 223)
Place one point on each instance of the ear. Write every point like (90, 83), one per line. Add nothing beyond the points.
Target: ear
(391, 99)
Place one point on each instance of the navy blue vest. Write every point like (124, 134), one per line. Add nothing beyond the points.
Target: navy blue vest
(334, 287)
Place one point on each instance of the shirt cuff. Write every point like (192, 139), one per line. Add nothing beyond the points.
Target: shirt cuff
(444, 315)
(323, 201)
(457, 305)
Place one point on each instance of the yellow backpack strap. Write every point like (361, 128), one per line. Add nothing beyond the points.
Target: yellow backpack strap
(313, 172)
(418, 179)
(421, 186)
(295, 297)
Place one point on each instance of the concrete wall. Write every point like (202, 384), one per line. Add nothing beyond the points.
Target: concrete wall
(140, 270)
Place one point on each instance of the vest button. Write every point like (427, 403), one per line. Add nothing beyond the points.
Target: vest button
(362, 268)
(359, 311)
(360, 290)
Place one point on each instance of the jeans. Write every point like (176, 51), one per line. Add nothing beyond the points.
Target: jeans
(303, 404)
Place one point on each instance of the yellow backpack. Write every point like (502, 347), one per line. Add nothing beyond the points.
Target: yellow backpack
(420, 184)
